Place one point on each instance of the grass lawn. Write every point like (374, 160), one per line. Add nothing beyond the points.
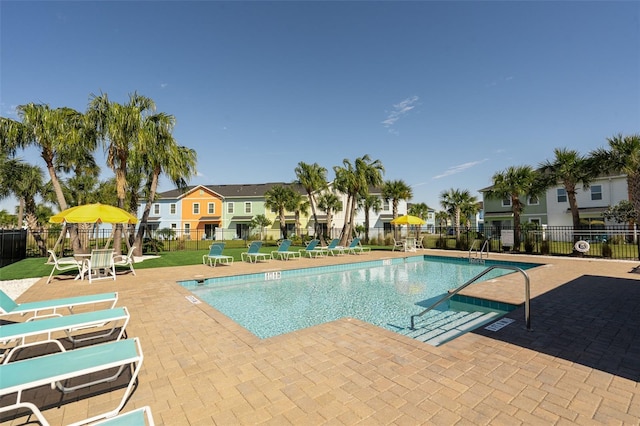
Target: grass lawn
(35, 267)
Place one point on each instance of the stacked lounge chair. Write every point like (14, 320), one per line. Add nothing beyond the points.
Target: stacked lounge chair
(96, 364)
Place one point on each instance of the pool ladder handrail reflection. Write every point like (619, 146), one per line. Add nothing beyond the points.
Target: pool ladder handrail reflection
(527, 293)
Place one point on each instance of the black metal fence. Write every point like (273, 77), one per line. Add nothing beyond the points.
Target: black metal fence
(615, 242)
(13, 246)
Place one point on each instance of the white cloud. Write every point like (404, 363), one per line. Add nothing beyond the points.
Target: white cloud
(459, 168)
(163, 85)
(399, 110)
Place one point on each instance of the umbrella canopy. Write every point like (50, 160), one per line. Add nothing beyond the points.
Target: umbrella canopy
(94, 213)
(407, 220)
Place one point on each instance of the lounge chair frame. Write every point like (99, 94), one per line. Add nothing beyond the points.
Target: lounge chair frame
(356, 248)
(100, 266)
(9, 307)
(21, 331)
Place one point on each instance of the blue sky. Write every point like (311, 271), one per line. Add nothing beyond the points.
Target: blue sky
(445, 94)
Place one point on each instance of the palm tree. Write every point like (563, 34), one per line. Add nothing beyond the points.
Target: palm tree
(369, 203)
(396, 190)
(420, 210)
(260, 222)
(569, 168)
(298, 204)
(278, 198)
(156, 152)
(119, 127)
(455, 201)
(313, 179)
(355, 180)
(58, 134)
(330, 203)
(512, 183)
(623, 156)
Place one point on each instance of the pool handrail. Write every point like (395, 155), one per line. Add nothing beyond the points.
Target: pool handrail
(450, 294)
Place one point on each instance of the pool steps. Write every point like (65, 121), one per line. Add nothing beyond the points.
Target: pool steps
(448, 325)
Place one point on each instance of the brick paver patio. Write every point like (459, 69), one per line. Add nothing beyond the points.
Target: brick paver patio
(579, 365)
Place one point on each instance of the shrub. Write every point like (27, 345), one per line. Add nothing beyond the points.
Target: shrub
(606, 250)
(544, 247)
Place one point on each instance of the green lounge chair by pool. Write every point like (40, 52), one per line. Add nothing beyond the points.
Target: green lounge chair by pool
(283, 252)
(69, 324)
(9, 307)
(312, 249)
(253, 253)
(333, 248)
(215, 255)
(58, 368)
(356, 248)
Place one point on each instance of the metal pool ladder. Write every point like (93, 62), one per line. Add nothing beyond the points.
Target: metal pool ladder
(527, 295)
(484, 249)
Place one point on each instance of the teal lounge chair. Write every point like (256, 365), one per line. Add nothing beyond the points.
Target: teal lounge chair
(140, 417)
(283, 252)
(356, 248)
(215, 255)
(57, 369)
(312, 249)
(69, 324)
(333, 248)
(9, 307)
(253, 253)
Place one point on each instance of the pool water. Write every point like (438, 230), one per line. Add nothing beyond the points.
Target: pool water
(384, 294)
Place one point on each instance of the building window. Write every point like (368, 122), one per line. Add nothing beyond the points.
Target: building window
(172, 208)
(535, 222)
(562, 195)
(187, 228)
(174, 226)
(534, 201)
(596, 192)
(385, 206)
(211, 208)
(230, 208)
(247, 207)
(506, 202)
(156, 209)
(196, 208)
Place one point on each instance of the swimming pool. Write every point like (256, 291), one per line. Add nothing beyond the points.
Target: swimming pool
(383, 292)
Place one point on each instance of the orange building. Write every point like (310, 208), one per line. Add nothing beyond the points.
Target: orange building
(201, 212)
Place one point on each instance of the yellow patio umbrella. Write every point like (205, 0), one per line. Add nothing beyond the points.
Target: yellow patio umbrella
(407, 220)
(94, 213)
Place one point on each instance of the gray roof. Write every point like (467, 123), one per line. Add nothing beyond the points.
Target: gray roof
(243, 190)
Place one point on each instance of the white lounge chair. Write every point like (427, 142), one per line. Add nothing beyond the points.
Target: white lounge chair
(63, 264)
(128, 260)
(56, 369)
(9, 307)
(69, 324)
(215, 255)
(283, 252)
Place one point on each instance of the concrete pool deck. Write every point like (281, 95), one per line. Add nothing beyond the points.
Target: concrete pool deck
(579, 365)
